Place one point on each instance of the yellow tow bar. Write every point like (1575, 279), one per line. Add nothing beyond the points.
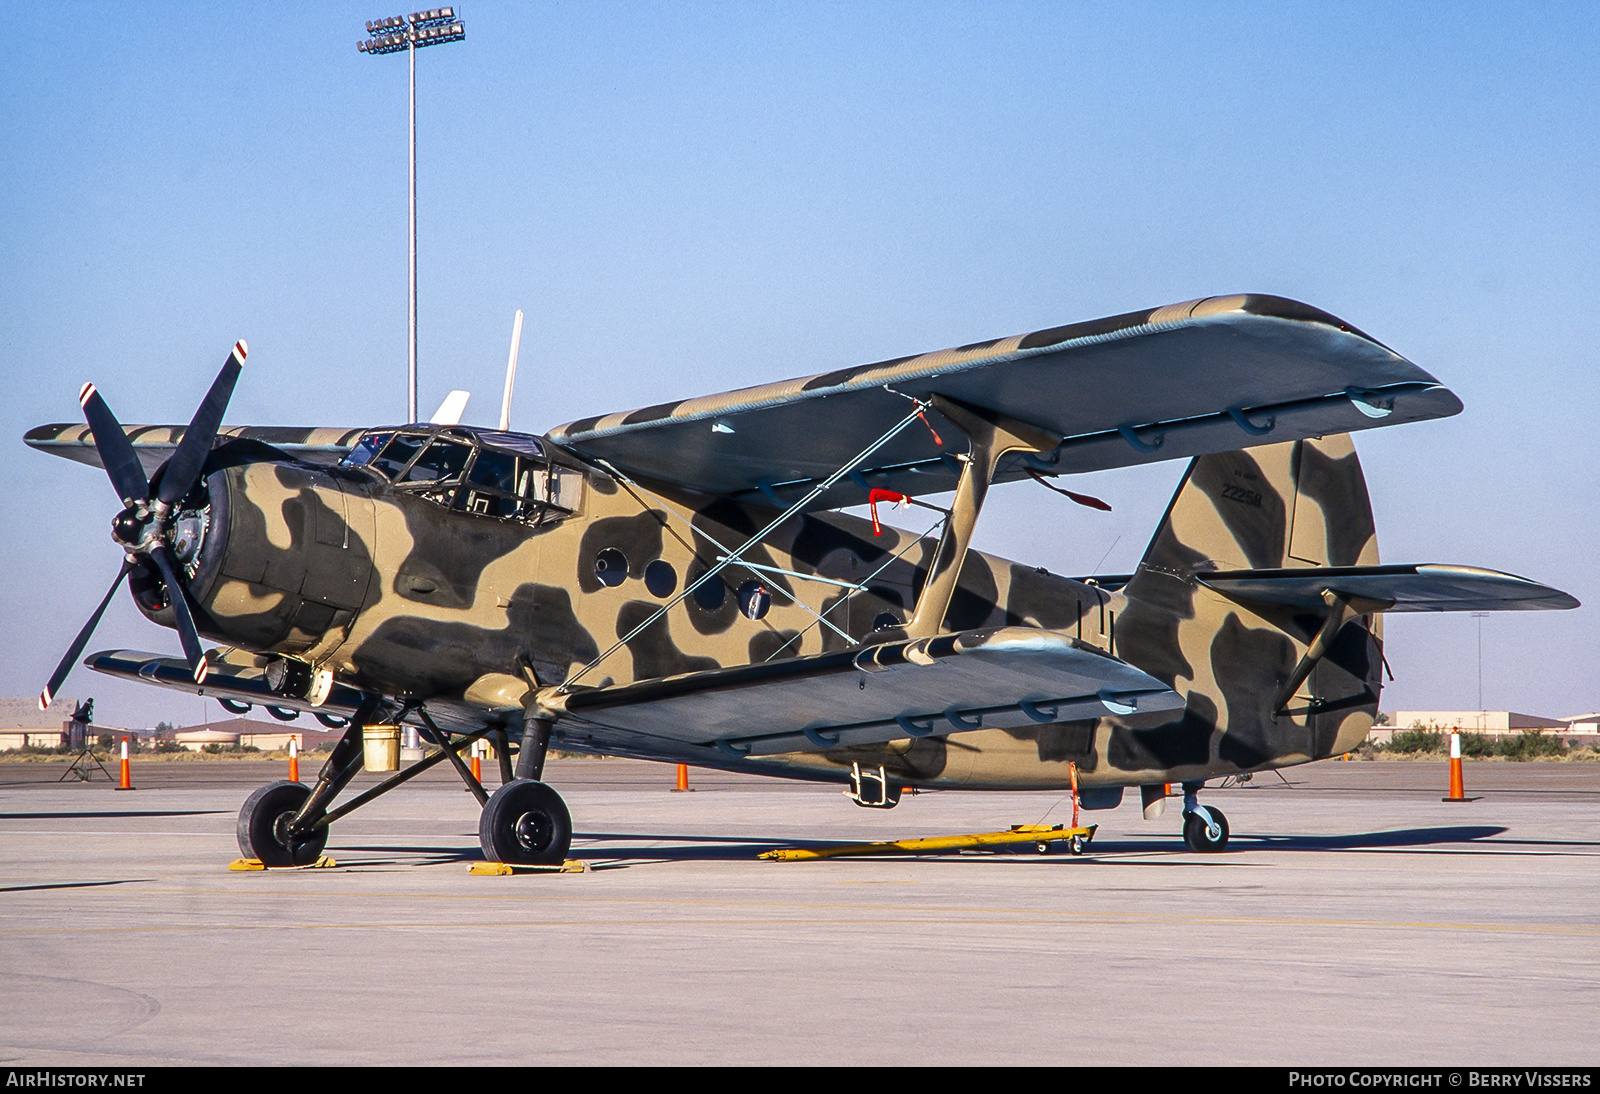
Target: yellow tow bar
(1040, 835)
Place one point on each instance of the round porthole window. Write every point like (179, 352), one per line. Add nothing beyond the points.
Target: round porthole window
(885, 620)
(611, 567)
(754, 599)
(710, 595)
(660, 578)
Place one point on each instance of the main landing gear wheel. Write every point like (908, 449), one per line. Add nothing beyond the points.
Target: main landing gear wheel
(1201, 836)
(264, 827)
(525, 823)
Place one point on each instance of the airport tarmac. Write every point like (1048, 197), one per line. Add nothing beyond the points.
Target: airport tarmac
(1355, 919)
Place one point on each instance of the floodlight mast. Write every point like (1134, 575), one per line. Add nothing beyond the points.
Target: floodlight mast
(411, 32)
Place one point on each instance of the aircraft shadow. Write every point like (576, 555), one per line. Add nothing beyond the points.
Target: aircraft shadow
(70, 885)
(618, 850)
(1355, 841)
(93, 814)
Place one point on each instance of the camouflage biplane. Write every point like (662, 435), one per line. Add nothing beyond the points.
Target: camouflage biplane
(678, 583)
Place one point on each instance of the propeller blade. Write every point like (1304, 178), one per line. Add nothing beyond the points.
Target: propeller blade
(183, 470)
(116, 451)
(187, 634)
(59, 677)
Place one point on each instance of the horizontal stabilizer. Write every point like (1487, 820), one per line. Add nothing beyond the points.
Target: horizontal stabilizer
(1424, 588)
(1008, 679)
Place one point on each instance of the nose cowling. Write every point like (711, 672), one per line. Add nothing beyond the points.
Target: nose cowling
(277, 559)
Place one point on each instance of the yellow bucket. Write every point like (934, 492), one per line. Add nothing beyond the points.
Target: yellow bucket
(381, 747)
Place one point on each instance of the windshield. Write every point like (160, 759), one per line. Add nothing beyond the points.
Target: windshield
(368, 447)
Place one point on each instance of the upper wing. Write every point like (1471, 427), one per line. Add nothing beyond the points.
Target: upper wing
(155, 443)
(929, 687)
(1424, 588)
(1208, 375)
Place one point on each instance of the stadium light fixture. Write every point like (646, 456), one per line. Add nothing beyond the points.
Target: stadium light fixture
(433, 27)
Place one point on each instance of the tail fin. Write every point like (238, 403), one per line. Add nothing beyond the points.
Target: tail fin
(1300, 504)
(1303, 503)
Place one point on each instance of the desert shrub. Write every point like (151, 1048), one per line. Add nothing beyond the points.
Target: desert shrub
(1476, 744)
(168, 746)
(1415, 740)
(1530, 744)
(213, 749)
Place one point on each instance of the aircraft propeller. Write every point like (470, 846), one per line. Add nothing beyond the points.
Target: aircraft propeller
(145, 527)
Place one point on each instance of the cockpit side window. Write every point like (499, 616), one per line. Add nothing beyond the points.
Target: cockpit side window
(400, 451)
(442, 462)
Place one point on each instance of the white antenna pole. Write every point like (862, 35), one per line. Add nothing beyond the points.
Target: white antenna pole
(511, 371)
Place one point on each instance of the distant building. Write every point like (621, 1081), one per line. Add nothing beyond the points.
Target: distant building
(1495, 723)
(23, 723)
(249, 733)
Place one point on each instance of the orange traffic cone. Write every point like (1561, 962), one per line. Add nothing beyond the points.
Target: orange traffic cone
(1458, 791)
(683, 778)
(127, 777)
(294, 758)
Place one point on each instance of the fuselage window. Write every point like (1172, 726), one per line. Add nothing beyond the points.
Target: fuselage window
(709, 595)
(611, 567)
(754, 599)
(660, 578)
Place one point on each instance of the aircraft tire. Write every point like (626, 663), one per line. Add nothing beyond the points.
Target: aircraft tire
(1196, 834)
(525, 823)
(262, 822)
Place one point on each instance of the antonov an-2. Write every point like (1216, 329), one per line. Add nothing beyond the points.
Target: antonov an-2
(678, 583)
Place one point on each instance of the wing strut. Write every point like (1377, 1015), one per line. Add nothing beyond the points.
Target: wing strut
(992, 435)
(737, 555)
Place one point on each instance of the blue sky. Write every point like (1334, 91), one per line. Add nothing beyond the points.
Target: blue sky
(685, 198)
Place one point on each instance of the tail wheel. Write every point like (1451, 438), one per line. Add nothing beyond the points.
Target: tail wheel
(264, 827)
(1200, 835)
(525, 823)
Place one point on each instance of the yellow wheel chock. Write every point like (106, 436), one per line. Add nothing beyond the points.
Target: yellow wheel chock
(1042, 836)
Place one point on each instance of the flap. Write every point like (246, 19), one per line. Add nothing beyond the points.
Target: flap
(1424, 588)
(1205, 376)
(930, 687)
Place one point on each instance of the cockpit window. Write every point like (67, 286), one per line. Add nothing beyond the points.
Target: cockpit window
(442, 462)
(502, 475)
(400, 451)
(368, 447)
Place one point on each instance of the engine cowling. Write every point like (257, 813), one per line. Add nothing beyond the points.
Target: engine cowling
(276, 556)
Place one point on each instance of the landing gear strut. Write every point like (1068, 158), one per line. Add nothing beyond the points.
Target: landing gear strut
(1204, 827)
